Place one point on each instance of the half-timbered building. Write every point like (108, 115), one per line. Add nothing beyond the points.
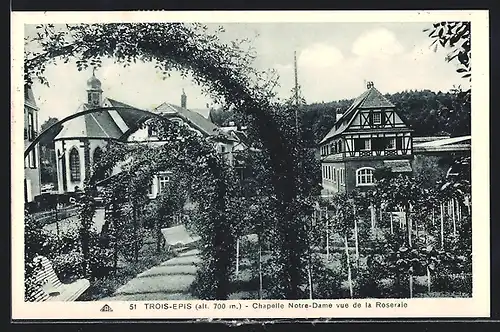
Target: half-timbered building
(370, 134)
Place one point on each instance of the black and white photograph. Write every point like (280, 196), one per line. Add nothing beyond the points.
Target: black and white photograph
(320, 161)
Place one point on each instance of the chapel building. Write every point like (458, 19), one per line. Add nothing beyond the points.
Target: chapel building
(83, 140)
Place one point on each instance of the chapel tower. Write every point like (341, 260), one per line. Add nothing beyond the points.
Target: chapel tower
(94, 91)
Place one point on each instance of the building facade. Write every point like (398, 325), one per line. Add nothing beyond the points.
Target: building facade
(83, 140)
(370, 134)
(32, 161)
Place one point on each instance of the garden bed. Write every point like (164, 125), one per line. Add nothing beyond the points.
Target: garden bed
(105, 287)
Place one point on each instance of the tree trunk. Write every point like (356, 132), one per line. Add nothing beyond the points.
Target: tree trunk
(349, 275)
(291, 247)
(433, 217)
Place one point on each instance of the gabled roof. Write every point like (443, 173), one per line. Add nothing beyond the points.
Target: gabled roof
(94, 125)
(195, 119)
(370, 99)
(130, 118)
(29, 97)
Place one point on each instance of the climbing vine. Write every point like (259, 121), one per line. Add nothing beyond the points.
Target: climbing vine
(225, 72)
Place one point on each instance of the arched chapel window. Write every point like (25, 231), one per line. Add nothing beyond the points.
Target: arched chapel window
(74, 165)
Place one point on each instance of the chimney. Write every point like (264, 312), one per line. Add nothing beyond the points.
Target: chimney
(183, 99)
(369, 85)
(338, 114)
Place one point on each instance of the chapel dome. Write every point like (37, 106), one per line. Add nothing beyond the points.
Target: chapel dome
(93, 83)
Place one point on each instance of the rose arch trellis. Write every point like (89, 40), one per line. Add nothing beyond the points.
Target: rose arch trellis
(224, 71)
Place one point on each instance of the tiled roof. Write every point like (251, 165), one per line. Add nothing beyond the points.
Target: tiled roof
(370, 99)
(462, 143)
(398, 166)
(205, 112)
(94, 125)
(29, 97)
(422, 139)
(446, 141)
(442, 148)
(375, 99)
(194, 118)
(130, 118)
(333, 158)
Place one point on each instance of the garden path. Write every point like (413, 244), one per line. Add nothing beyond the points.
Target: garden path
(168, 281)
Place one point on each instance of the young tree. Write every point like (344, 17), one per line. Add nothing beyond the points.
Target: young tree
(342, 221)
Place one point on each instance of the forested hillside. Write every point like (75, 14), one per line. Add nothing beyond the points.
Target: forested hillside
(426, 112)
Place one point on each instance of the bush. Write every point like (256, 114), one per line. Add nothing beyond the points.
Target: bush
(327, 283)
(456, 283)
(101, 262)
(366, 285)
(204, 284)
(68, 266)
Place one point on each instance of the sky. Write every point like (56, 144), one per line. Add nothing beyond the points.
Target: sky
(334, 61)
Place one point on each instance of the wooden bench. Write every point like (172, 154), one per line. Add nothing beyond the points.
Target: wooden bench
(178, 238)
(51, 288)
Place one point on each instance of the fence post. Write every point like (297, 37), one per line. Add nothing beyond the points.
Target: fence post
(237, 255)
(57, 222)
(392, 227)
(442, 225)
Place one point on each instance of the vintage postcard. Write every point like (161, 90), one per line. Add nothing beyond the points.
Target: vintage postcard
(225, 165)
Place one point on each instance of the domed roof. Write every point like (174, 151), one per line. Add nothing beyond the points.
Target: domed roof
(93, 83)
